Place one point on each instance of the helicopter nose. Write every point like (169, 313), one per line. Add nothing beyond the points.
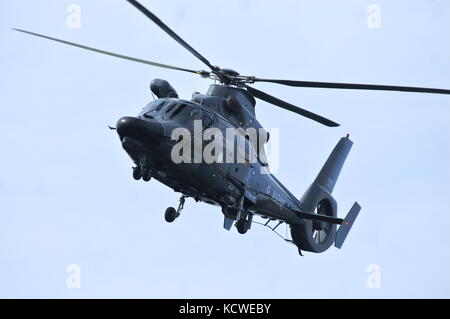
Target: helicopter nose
(146, 131)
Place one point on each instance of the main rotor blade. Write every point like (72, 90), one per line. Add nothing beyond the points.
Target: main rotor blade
(287, 106)
(353, 86)
(111, 53)
(169, 31)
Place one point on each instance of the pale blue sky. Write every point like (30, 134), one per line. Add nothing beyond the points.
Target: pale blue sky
(66, 191)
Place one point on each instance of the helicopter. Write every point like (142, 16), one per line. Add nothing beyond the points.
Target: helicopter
(243, 186)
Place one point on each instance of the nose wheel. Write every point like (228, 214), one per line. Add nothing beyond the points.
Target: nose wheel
(146, 175)
(137, 173)
(171, 213)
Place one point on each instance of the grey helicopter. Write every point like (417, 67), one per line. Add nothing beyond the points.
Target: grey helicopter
(241, 188)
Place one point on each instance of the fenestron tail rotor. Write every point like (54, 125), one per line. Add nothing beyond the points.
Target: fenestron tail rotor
(231, 77)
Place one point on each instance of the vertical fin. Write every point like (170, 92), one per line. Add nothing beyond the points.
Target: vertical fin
(330, 171)
(346, 225)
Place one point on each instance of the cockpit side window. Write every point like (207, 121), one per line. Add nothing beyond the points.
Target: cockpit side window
(158, 108)
(168, 108)
(177, 111)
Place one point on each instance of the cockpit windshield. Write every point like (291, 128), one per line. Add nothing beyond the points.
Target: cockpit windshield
(164, 109)
(152, 108)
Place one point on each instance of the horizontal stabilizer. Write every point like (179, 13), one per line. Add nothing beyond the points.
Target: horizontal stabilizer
(323, 218)
(346, 225)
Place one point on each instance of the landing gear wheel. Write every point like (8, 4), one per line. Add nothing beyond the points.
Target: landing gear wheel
(137, 173)
(242, 226)
(170, 215)
(146, 175)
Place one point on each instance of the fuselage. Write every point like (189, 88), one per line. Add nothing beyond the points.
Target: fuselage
(149, 136)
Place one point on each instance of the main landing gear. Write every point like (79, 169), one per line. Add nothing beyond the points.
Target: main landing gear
(172, 213)
(244, 222)
(241, 215)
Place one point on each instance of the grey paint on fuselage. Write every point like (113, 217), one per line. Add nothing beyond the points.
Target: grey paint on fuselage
(211, 182)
